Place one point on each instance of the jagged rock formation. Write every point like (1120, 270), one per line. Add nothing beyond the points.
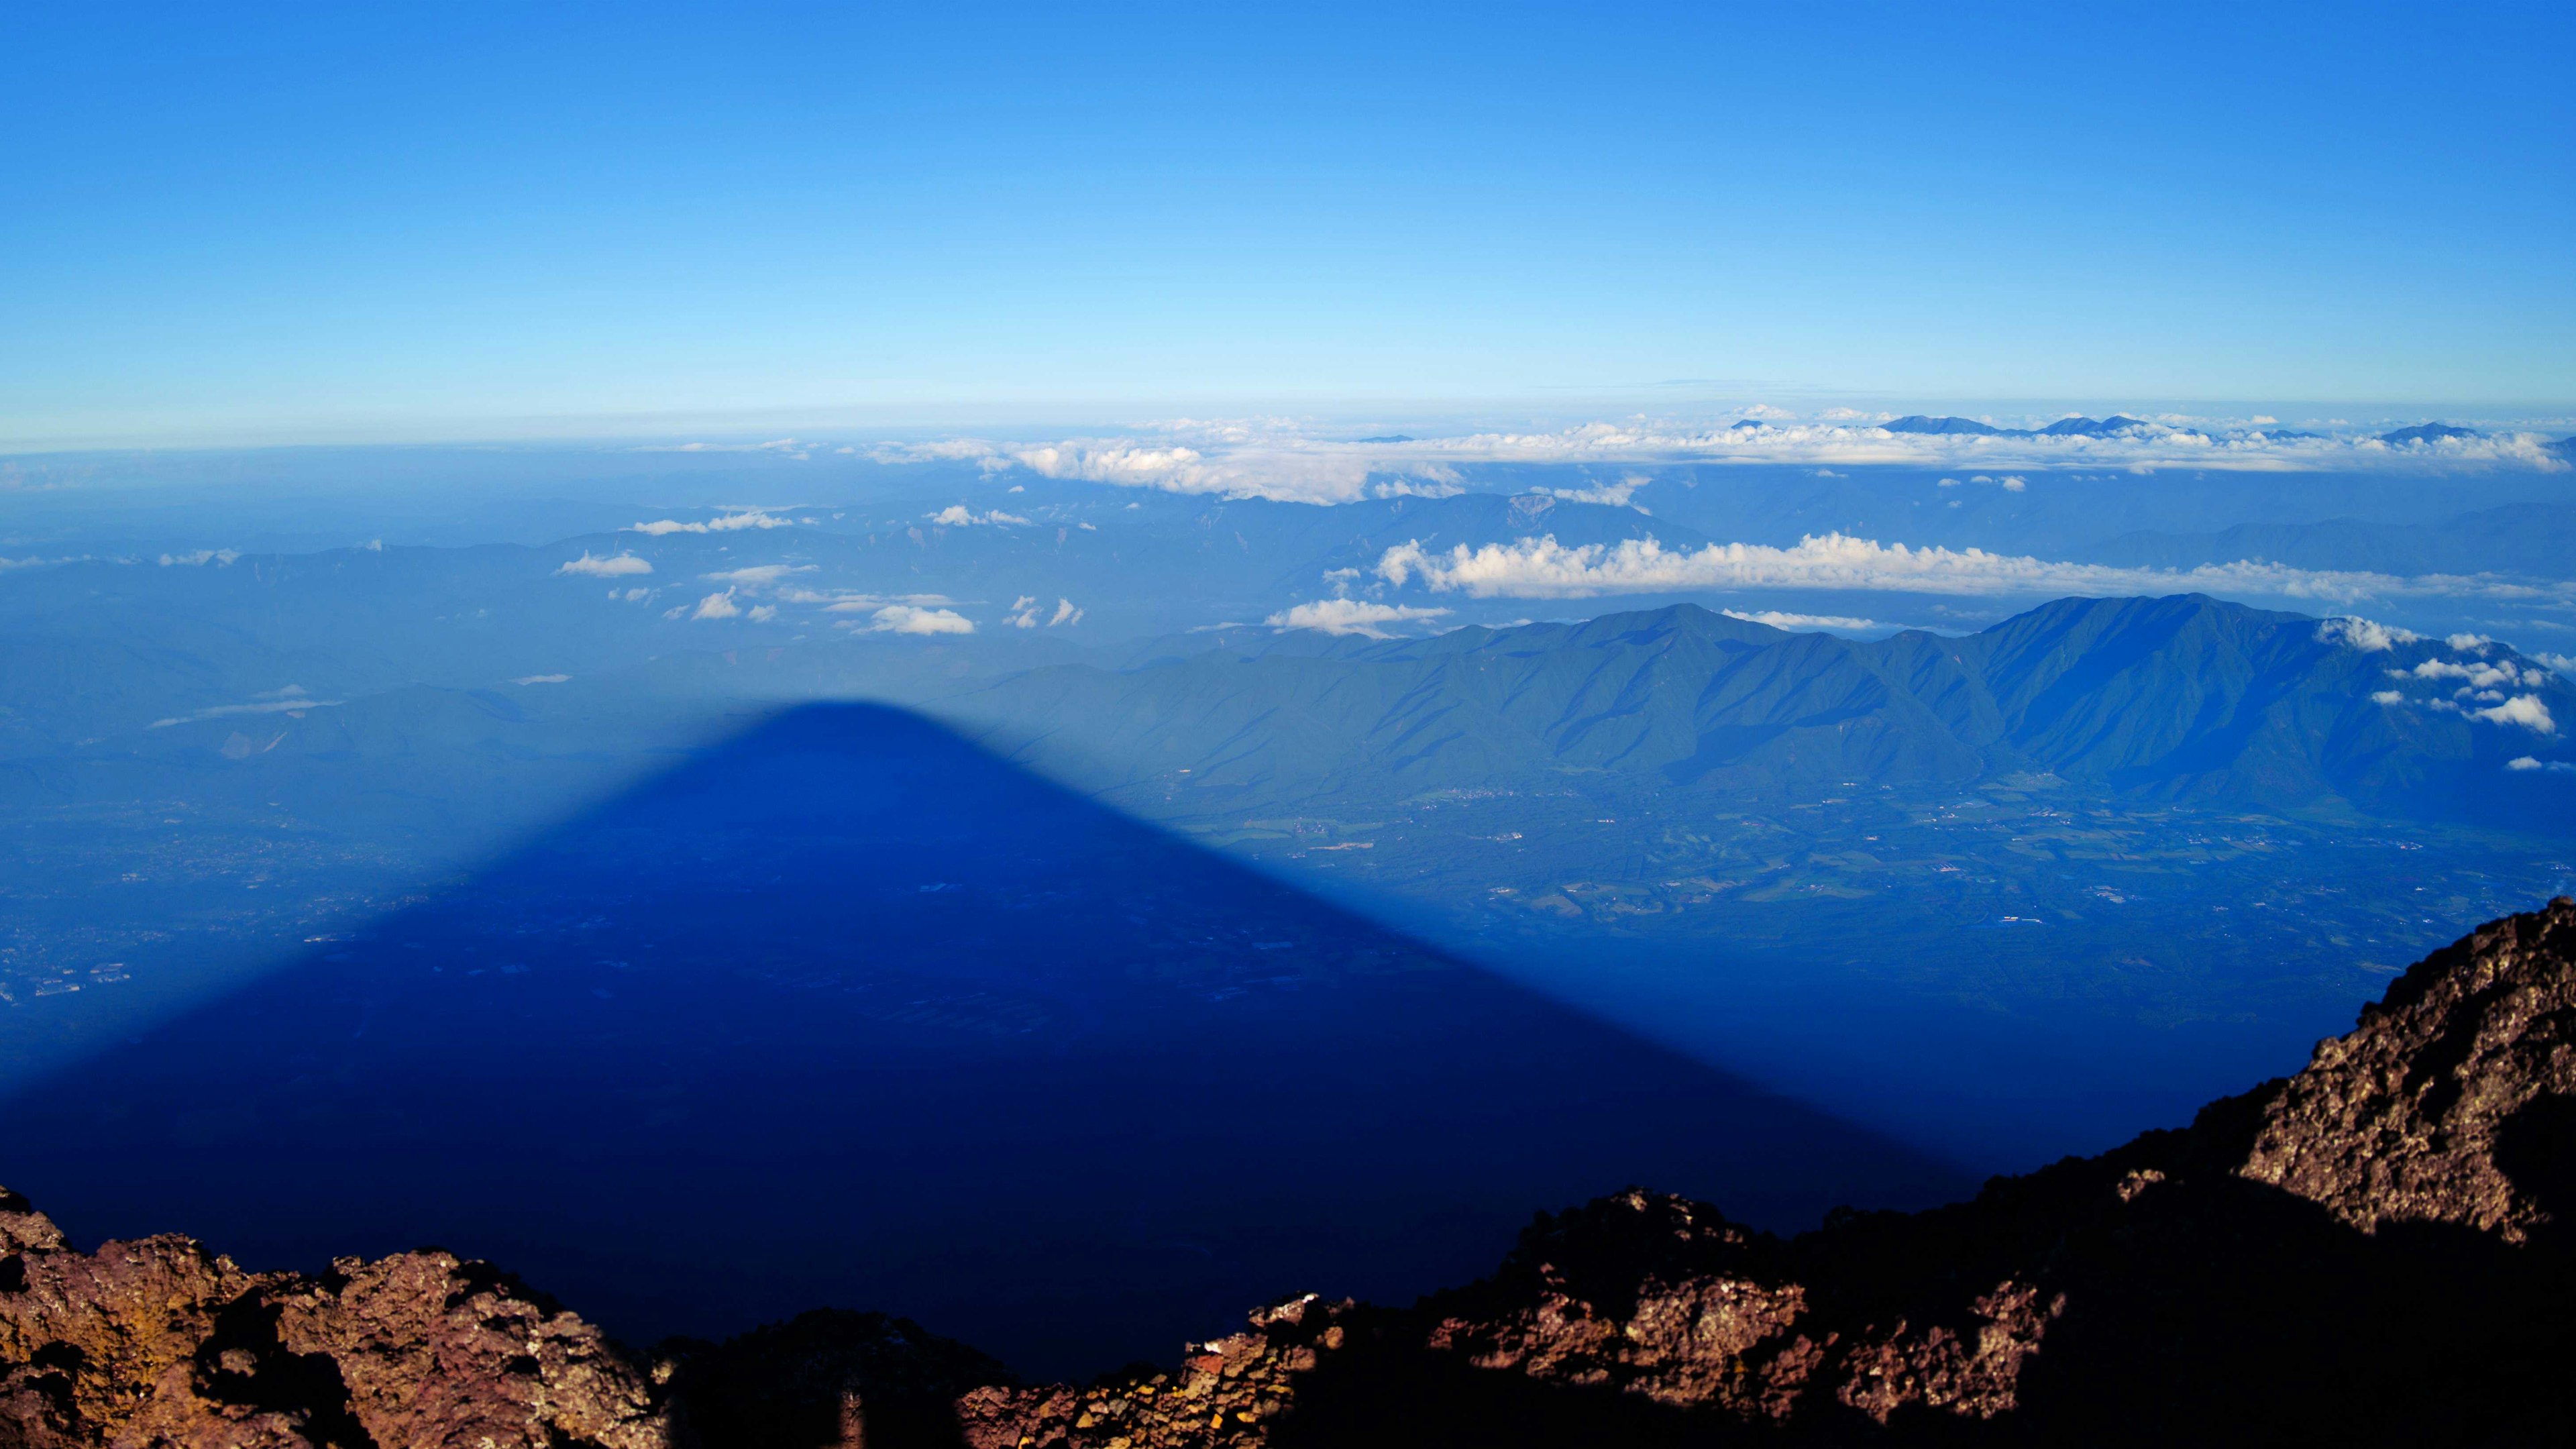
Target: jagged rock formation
(2367, 1252)
(2372, 1251)
(159, 1342)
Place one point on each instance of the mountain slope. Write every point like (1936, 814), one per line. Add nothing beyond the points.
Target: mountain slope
(2183, 697)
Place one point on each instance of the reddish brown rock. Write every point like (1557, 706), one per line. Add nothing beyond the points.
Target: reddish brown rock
(2402, 1120)
(159, 1342)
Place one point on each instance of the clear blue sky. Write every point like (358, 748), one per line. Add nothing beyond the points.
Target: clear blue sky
(267, 217)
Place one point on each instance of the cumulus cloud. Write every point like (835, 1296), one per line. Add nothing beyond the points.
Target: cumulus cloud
(1024, 612)
(1540, 568)
(613, 567)
(958, 515)
(1349, 616)
(2364, 635)
(2526, 710)
(2478, 674)
(717, 606)
(908, 619)
(2527, 762)
(729, 523)
(1065, 613)
(218, 556)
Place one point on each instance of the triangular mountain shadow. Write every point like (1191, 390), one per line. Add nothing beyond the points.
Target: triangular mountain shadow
(848, 1011)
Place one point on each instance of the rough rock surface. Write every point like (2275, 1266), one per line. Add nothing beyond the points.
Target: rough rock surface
(2418, 1114)
(2367, 1252)
(2375, 1251)
(159, 1342)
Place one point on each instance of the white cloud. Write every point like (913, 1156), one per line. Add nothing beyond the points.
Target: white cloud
(729, 523)
(958, 515)
(718, 606)
(2364, 635)
(615, 567)
(2525, 710)
(219, 556)
(2465, 643)
(266, 706)
(845, 602)
(1544, 568)
(2013, 484)
(1829, 622)
(2479, 674)
(1024, 612)
(2386, 696)
(1348, 616)
(759, 574)
(1616, 494)
(1275, 458)
(542, 679)
(2526, 762)
(774, 445)
(906, 619)
(1065, 613)
(2563, 663)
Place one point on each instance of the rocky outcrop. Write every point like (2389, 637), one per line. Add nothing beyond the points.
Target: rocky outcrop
(2375, 1250)
(159, 1342)
(2422, 1113)
(2368, 1252)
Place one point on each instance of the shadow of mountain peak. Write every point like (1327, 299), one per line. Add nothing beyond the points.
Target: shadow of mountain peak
(849, 1010)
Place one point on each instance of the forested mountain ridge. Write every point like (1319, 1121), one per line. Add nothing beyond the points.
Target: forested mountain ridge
(2182, 697)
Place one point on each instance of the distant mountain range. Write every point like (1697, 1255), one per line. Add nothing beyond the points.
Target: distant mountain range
(2427, 433)
(2062, 428)
(2119, 424)
(2184, 697)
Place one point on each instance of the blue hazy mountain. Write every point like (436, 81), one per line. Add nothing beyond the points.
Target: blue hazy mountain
(2091, 427)
(2182, 698)
(1950, 426)
(2427, 433)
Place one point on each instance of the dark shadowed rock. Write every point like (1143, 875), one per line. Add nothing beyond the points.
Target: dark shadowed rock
(2360, 1254)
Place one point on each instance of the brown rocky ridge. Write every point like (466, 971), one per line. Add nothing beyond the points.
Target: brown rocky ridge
(2376, 1250)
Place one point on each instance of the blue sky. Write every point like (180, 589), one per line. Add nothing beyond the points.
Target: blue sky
(275, 222)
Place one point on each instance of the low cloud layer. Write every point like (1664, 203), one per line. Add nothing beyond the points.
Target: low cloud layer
(266, 706)
(1830, 623)
(729, 523)
(1278, 459)
(616, 566)
(1542, 568)
(1349, 616)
